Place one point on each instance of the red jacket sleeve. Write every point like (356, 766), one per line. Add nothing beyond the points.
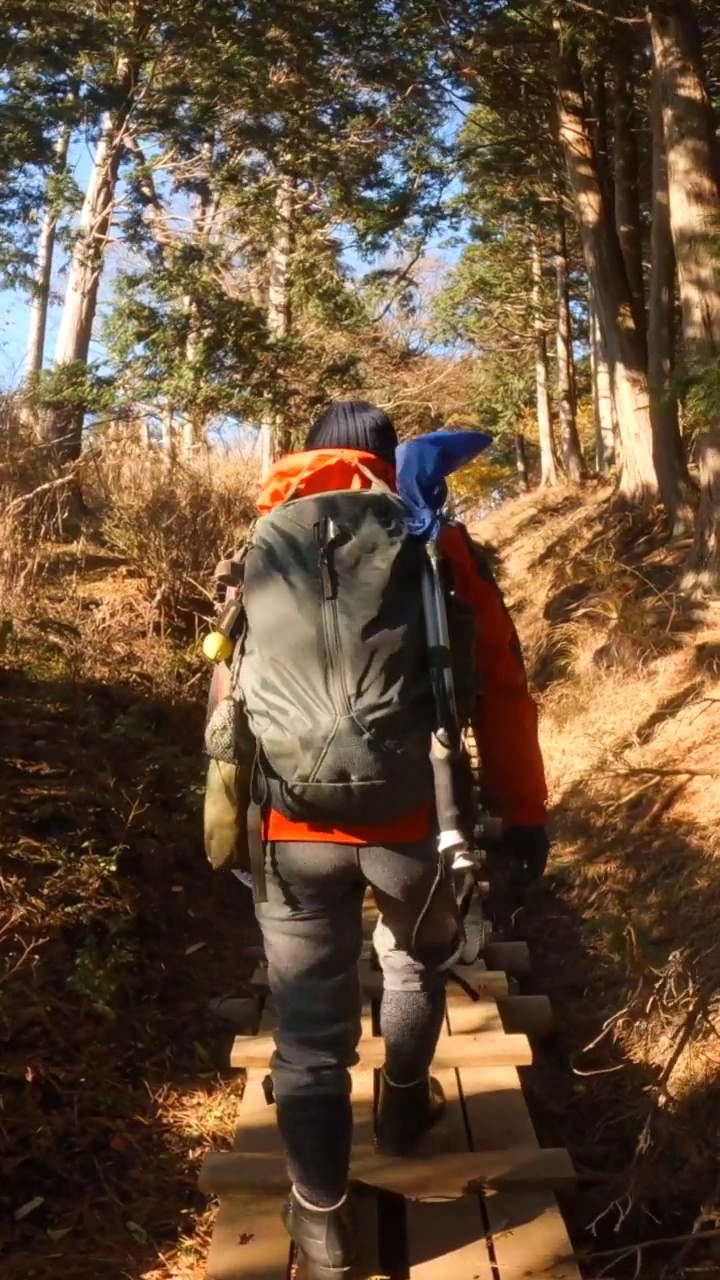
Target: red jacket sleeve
(505, 722)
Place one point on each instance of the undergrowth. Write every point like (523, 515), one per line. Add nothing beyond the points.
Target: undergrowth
(626, 926)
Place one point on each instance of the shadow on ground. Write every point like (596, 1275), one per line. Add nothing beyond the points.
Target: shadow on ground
(617, 940)
(113, 936)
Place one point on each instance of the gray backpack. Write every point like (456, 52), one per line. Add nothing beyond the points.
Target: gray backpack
(333, 669)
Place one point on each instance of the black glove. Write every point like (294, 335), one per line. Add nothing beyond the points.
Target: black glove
(530, 848)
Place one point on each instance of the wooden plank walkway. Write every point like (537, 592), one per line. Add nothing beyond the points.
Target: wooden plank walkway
(476, 1198)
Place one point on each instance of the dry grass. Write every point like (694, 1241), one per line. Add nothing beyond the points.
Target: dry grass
(626, 931)
(133, 590)
(112, 1079)
(173, 524)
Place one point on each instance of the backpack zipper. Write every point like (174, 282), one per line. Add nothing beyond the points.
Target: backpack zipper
(331, 622)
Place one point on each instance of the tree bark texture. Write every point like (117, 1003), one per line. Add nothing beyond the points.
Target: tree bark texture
(668, 450)
(194, 424)
(703, 573)
(625, 348)
(64, 422)
(167, 435)
(274, 439)
(521, 464)
(627, 183)
(693, 161)
(598, 123)
(40, 302)
(603, 407)
(569, 439)
(548, 464)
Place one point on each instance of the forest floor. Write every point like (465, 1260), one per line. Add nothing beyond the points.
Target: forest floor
(112, 1076)
(113, 937)
(625, 929)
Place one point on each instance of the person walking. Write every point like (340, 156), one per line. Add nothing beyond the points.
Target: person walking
(331, 691)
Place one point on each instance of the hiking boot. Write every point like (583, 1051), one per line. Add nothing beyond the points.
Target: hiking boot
(406, 1113)
(325, 1236)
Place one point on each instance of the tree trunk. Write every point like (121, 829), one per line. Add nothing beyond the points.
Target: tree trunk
(598, 123)
(65, 419)
(603, 407)
(194, 424)
(37, 329)
(669, 454)
(194, 421)
(703, 572)
(274, 439)
(167, 435)
(521, 463)
(572, 453)
(627, 184)
(548, 464)
(693, 173)
(625, 349)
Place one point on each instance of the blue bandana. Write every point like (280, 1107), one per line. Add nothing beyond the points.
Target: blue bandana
(423, 465)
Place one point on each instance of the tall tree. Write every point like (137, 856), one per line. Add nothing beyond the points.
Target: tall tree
(548, 464)
(627, 178)
(603, 403)
(693, 176)
(625, 348)
(72, 348)
(570, 442)
(668, 448)
(693, 172)
(40, 300)
(274, 439)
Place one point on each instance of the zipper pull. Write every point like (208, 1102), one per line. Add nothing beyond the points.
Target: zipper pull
(326, 581)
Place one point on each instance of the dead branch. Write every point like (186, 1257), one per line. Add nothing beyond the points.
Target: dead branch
(647, 770)
(49, 485)
(628, 1250)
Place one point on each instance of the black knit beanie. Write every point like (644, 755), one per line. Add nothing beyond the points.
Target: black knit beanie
(354, 424)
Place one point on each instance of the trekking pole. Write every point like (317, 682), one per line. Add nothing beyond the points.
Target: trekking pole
(445, 741)
(423, 465)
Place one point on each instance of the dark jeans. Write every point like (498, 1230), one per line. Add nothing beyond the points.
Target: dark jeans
(312, 928)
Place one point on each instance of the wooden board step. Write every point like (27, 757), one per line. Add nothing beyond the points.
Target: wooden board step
(487, 982)
(478, 1193)
(446, 1173)
(485, 1048)
(447, 1238)
(246, 1242)
(528, 1234)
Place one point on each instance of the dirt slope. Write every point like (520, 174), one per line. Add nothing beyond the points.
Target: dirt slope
(625, 931)
(113, 935)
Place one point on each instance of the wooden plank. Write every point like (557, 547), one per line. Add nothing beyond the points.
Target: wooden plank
(529, 1237)
(486, 1048)
(446, 1174)
(518, 1015)
(486, 982)
(248, 1241)
(446, 1238)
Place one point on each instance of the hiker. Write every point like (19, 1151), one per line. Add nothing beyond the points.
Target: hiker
(307, 645)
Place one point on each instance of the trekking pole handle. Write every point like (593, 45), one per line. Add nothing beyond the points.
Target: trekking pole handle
(451, 841)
